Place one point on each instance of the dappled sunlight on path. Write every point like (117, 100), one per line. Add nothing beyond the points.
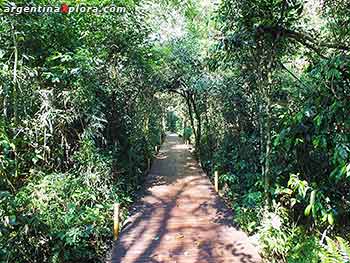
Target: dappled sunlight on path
(181, 219)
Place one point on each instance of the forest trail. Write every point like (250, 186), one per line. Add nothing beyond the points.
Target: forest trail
(181, 219)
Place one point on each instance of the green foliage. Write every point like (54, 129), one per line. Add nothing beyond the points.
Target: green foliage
(8, 169)
(68, 214)
(263, 89)
(277, 121)
(317, 204)
(187, 133)
(248, 210)
(282, 241)
(172, 121)
(79, 119)
(337, 252)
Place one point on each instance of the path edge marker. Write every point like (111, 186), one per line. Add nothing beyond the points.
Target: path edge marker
(216, 181)
(116, 221)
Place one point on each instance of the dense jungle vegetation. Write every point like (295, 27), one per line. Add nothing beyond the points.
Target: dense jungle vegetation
(259, 87)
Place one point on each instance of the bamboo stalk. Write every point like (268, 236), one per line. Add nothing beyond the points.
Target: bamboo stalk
(116, 221)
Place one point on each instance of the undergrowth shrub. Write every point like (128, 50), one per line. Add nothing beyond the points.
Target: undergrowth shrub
(336, 251)
(60, 218)
(248, 211)
(283, 241)
(63, 217)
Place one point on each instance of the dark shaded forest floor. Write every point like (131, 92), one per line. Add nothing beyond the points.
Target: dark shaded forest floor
(181, 218)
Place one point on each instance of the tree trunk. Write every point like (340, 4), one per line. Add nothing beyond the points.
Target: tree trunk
(190, 112)
(199, 122)
(267, 169)
(268, 154)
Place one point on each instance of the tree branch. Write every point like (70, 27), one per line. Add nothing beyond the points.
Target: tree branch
(293, 75)
(302, 38)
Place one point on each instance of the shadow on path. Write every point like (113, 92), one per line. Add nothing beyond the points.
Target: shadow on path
(180, 219)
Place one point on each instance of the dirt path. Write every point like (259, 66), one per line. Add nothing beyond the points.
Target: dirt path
(181, 219)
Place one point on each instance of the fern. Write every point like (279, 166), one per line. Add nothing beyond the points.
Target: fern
(336, 252)
(344, 247)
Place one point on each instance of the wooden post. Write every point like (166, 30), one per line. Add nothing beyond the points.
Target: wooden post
(156, 148)
(216, 181)
(116, 221)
